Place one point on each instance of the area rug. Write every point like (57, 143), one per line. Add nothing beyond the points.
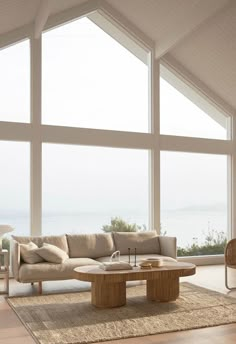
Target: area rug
(70, 318)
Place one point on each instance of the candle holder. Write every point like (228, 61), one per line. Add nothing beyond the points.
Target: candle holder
(129, 254)
(135, 257)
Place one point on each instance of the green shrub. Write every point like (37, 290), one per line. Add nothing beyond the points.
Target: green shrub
(6, 246)
(119, 225)
(214, 244)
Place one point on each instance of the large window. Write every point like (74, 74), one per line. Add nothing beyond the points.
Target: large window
(194, 201)
(95, 75)
(15, 83)
(180, 116)
(91, 81)
(84, 187)
(15, 186)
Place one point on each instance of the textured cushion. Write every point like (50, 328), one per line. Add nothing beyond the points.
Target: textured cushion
(52, 254)
(56, 240)
(90, 245)
(52, 272)
(28, 253)
(145, 242)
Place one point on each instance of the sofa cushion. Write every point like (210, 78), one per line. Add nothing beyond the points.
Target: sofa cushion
(52, 272)
(90, 245)
(52, 253)
(145, 242)
(56, 240)
(139, 257)
(28, 253)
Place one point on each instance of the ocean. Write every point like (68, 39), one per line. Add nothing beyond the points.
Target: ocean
(187, 225)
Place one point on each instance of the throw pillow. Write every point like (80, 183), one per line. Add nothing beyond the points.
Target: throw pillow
(52, 254)
(28, 253)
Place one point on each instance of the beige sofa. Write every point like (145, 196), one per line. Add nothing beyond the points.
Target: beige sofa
(88, 249)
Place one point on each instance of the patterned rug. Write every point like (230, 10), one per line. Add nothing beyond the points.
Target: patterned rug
(70, 318)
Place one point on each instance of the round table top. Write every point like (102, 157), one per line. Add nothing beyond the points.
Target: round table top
(92, 273)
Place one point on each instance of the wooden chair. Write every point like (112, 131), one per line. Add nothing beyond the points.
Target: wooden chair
(230, 260)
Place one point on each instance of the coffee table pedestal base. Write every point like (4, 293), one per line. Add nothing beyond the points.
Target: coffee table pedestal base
(108, 295)
(164, 290)
(109, 287)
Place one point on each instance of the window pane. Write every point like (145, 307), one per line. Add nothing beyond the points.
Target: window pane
(84, 187)
(15, 83)
(91, 81)
(15, 186)
(194, 201)
(179, 116)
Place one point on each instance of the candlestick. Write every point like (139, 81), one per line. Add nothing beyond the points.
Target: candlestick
(129, 254)
(135, 257)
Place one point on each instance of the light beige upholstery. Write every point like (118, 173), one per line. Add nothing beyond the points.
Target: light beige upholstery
(84, 247)
(125, 258)
(145, 242)
(90, 245)
(49, 271)
(168, 246)
(28, 253)
(56, 240)
(15, 258)
(52, 254)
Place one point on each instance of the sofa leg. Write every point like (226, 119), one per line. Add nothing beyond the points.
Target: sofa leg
(40, 288)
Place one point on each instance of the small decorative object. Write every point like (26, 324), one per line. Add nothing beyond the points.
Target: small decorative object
(135, 257)
(110, 266)
(115, 257)
(154, 261)
(145, 265)
(129, 254)
(4, 229)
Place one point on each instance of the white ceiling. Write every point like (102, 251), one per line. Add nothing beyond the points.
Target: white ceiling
(16, 13)
(210, 54)
(167, 21)
(198, 34)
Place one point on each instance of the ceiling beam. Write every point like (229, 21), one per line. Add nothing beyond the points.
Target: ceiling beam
(180, 36)
(71, 13)
(41, 17)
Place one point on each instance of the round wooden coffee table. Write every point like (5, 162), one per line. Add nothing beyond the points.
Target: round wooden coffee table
(109, 287)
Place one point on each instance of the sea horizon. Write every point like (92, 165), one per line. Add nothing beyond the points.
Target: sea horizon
(186, 224)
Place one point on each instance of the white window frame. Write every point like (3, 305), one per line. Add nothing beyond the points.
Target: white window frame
(179, 77)
(37, 134)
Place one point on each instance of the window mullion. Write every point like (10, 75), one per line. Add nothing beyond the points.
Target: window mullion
(154, 174)
(36, 142)
(232, 216)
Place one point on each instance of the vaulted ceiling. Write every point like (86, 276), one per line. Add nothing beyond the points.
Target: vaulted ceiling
(196, 36)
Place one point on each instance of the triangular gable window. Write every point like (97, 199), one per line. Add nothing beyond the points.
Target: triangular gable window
(184, 112)
(90, 80)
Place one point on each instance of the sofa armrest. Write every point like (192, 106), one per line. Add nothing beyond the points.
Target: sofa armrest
(15, 258)
(168, 246)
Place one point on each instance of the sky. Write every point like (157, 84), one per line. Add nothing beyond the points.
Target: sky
(15, 83)
(90, 80)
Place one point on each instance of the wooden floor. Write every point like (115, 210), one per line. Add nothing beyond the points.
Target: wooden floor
(212, 277)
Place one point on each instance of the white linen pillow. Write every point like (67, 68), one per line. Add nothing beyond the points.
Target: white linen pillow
(52, 254)
(28, 253)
